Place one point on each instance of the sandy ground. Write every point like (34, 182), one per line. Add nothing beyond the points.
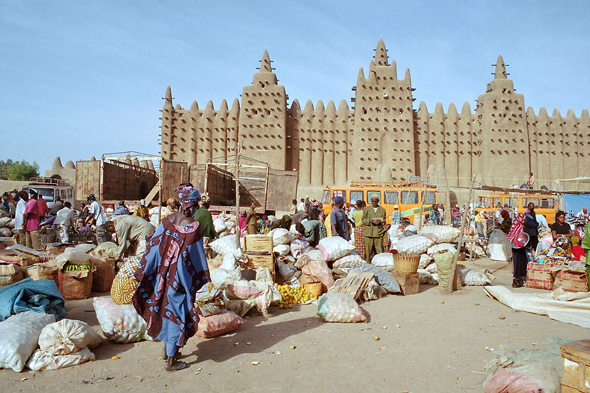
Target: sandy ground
(429, 342)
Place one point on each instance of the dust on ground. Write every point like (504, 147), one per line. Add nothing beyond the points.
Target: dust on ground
(428, 342)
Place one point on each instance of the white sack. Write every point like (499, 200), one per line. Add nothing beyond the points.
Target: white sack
(384, 261)
(282, 249)
(441, 233)
(499, 248)
(414, 245)
(46, 361)
(425, 260)
(281, 236)
(334, 247)
(68, 336)
(441, 247)
(120, 323)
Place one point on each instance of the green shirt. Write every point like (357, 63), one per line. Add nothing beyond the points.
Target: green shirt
(203, 216)
(373, 230)
(314, 231)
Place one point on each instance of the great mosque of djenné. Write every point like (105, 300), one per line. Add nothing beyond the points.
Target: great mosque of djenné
(381, 136)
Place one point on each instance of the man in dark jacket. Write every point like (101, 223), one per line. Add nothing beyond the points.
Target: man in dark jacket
(531, 226)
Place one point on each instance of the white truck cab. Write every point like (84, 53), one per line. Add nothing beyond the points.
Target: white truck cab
(50, 188)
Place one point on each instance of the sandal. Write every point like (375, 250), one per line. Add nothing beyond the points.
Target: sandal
(177, 367)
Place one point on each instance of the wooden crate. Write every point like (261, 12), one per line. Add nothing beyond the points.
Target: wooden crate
(267, 261)
(576, 367)
(258, 243)
(409, 282)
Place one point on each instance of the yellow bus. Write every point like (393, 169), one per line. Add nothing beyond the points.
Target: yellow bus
(409, 197)
(545, 204)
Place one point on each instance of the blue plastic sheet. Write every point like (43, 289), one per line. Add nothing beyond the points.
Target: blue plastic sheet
(41, 296)
(574, 203)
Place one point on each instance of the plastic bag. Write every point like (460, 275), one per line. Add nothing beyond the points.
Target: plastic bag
(339, 307)
(221, 278)
(392, 232)
(219, 225)
(442, 233)
(224, 245)
(208, 300)
(499, 248)
(472, 277)
(384, 261)
(312, 263)
(41, 360)
(298, 246)
(425, 260)
(386, 280)
(215, 325)
(120, 323)
(282, 249)
(281, 236)
(229, 261)
(431, 268)
(334, 247)
(441, 247)
(19, 336)
(263, 293)
(68, 336)
(414, 245)
(444, 265)
(349, 261)
(74, 256)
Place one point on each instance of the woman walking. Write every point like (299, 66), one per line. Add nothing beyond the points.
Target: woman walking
(171, 271)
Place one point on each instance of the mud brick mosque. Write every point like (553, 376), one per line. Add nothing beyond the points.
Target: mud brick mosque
(381, 136)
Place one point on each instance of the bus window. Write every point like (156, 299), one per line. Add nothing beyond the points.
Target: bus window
(526, 201)
(484, 202)
(326, 198)
(409, 198)
(371, 193)
(391, 197)
(356, 196)
(547, 203)
(430, 197)
(497, 202)
(63, 195)
(70, 193)
(341, 193)
(512, 201)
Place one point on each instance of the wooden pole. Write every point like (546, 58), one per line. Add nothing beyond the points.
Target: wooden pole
(460, 237)
(422, 205)
(237, 174)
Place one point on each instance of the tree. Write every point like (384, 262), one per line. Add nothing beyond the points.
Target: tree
(14, 170)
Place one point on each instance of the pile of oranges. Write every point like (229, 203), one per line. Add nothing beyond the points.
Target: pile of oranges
(291, 296)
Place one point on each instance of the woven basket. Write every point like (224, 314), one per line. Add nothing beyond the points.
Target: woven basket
(406, 263)
(315, 288)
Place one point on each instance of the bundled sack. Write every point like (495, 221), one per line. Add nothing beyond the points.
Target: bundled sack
(282, 249)
(208, 300)
(444, 266)
(224, 245)
(499, 248)
(125, 284)
(68, 336)
(472, 277)
(287, 274)
(414, 245)
(441, 233)
(312, 263)
(106, 250)
(5, 222)
(221, 278)
(384, 261)
(281, 236)
(120, 323)
(75, 284)
(441, 247)
(41, 360)
(19, 336)
(219, 225)
(349, 261)
(334, 247)
(264, 293)
(42, 272)
(215, 325)
(386, 280)
(103, 275)
(298, 246)
(339, 307)
(425, 260)
(5, 232)
(10, 273)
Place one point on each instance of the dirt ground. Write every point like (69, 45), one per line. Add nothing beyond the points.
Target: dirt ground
(429, 342)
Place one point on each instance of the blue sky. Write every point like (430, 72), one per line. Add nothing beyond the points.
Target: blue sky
(80, 78)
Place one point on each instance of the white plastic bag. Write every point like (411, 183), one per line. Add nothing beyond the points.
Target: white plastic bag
(229, 262)
(441, 247)
(384, 261)
(499, 248)
(221, 278)
(474, 277)
(339, 307)
(334, 247)
(297, 247)
(431, 268)
(75, 256)
(349, 261)
(120, 323)
(414, 245)
(281, 236)
(224, 245)
(442, 233)
(19, 336)
(68, 336)
(282, 249)
(425, 260)
(41, 360)
(219, 225)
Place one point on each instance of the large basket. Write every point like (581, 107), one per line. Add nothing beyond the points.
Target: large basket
(406, 263)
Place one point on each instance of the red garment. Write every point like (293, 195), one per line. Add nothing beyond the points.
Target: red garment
(32, 209)
(577, 252)
(42, 205)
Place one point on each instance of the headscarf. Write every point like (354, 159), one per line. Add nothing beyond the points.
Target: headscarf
(188, 195)
(517, 226)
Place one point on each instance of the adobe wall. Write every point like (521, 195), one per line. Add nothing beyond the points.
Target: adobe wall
(382, 137)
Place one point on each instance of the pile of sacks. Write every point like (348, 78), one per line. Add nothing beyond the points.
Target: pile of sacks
(7, 228)
(436, 247)
(36, 341)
